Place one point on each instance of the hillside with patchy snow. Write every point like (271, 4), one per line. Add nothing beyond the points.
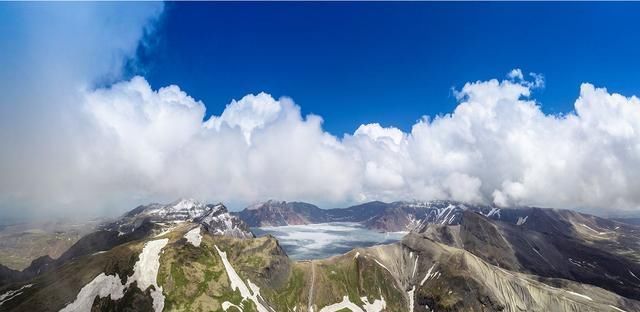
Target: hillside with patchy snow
(191, 258)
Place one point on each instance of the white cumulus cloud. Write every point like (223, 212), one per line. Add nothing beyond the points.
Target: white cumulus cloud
(497, 147)
(68, 146)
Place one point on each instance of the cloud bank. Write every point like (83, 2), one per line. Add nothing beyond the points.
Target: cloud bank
(72, 147)
(497, 147)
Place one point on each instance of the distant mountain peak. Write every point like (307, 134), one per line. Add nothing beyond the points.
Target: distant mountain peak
(277, 213)
(215, 217)
(267, 203)
(186, 203)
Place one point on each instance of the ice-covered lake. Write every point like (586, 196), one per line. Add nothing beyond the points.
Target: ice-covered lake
(316, 241)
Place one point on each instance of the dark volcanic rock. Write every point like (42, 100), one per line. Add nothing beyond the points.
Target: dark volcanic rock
(279, 213)
(219, 221)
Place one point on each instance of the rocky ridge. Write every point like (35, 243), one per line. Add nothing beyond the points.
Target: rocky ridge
(459, 258)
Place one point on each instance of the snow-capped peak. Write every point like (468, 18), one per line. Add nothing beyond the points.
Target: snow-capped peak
(182, 209)
(186, 203)
(215, 218)
(218, 221)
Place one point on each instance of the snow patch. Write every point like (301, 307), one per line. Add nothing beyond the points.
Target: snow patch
(382, 265)
(101, 286)
(252, 292)
(13, 293)
(617, 309)
(575, 262)
(580, 295)
(194, 237)
(145, 270)
(428, 275)
(494, 212)
(597, 232)
(522, 220)
(414, 223)
(448, 211)
(411, 297)
(377, 305)
(145, 273)
(226, 305)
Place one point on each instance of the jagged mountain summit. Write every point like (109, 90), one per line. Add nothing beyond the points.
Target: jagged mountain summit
(457, 257)
(214, 217)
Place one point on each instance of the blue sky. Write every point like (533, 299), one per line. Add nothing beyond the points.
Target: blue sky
(355, 63)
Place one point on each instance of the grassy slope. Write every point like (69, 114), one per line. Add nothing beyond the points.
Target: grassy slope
(194, 278)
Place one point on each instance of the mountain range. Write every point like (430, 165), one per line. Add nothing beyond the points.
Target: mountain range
(190, 256)
(376, 215)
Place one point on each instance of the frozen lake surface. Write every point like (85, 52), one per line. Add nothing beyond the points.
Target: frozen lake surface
(322, 240)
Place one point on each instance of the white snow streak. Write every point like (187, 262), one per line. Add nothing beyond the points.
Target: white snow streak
(12, 294)
(428, 275)
(411, 295)
(616, 308)
(237, 283)
(580, 295)
(226, 305)
(494, 211)
(597, 232)
(382, 265)
(521, 220)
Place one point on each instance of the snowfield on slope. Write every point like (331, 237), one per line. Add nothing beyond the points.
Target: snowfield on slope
(194, 237)
(101, 286)
(145, 273)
